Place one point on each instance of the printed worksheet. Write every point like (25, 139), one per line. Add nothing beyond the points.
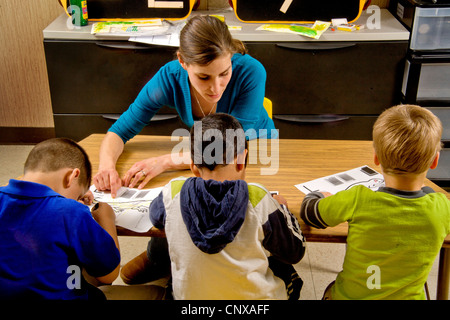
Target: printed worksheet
(131, 206)
(344, 180)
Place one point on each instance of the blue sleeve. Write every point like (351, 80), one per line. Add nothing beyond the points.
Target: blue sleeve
(154, 95)
(93, 246)
(158, 212)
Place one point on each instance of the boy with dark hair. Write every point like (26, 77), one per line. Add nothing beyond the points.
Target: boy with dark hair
(224, 234)
(47, 237)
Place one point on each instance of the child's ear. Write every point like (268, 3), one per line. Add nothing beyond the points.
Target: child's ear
(375, 159)
(70, 176)
(240, 160)
(435, 161)
(195, 170)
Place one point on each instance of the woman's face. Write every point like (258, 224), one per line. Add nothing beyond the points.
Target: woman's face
(211, 80)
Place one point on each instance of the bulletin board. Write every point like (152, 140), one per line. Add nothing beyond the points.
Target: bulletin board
(292, 11)
(102, 10)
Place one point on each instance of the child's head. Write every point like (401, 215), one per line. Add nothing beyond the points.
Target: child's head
(218, 140)
(59, 153)
(407, 139)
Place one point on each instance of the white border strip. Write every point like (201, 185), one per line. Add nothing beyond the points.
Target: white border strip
(166, 4)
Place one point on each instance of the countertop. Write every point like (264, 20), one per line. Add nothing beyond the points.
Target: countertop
(390, 30)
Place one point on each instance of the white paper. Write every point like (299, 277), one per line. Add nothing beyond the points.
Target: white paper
(131, 206)
(130, 29)
(172, 40)
(344, 180)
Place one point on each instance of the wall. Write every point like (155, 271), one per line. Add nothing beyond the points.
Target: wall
(24, 92)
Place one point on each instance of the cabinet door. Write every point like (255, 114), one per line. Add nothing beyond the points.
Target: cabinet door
(361, 78)
(323, 127)
(101, 77)
(79, 126)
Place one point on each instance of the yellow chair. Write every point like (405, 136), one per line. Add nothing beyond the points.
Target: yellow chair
(268, 106)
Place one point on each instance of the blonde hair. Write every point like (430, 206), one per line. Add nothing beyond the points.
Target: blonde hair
(205, 38)
(406, 139)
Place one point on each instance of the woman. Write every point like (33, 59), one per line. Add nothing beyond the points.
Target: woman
(213, 73)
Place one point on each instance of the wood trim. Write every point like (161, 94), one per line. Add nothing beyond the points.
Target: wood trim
(24, 91)
(25, 135)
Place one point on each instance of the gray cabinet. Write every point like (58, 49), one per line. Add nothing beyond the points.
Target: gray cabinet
(330, 90)
(93, 82)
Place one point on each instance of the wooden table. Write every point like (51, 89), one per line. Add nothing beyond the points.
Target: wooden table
(298, 161)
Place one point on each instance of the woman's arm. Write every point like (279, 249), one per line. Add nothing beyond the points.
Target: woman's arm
(156, 93)
(107, 177)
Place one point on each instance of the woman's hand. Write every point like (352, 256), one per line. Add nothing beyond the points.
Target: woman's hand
(145, 170)
(108, 179)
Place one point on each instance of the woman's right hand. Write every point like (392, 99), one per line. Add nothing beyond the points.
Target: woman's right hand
(108, 179)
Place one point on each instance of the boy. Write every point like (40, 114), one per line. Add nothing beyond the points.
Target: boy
(396, 232)
(223, 233)
(46, 236)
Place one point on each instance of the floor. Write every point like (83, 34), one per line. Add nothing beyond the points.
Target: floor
(318, 268)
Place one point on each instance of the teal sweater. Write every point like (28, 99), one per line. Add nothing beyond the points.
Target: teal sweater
(243, 99)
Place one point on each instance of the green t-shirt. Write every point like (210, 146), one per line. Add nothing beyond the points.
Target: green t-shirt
(393, 239)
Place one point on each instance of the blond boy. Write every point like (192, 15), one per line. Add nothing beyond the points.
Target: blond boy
(396, 232)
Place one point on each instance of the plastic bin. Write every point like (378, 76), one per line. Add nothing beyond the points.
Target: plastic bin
(431, 29)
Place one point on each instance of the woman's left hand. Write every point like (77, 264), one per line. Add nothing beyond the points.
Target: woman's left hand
(144, 171)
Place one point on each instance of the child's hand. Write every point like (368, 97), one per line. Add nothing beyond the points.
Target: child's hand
(280, 199)
(87, 199)
(326, 194)
(103, 214)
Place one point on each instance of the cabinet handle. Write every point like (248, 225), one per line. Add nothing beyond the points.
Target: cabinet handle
(311, 46)
(311, 118)
(156, 117)
(122, 45)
